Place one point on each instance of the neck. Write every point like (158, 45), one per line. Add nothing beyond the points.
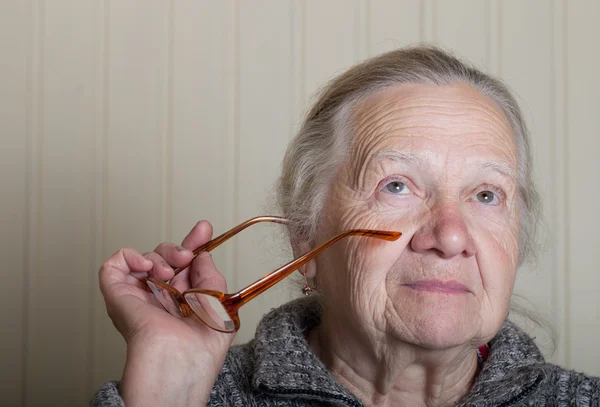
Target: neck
(381, 371)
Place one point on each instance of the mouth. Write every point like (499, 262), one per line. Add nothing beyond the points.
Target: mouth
(438, 286)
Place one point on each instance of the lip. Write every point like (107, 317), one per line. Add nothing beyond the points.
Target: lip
(439, 286)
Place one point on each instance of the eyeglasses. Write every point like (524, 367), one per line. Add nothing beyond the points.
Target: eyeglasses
(219, 310)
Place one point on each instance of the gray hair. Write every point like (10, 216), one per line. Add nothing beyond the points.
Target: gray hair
(317, 151)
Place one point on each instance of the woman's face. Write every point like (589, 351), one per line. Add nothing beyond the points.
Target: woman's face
(437, 163)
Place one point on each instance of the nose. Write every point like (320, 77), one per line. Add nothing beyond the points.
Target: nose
(446, 233)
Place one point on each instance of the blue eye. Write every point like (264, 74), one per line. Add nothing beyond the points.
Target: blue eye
(397, 187)
(486, 197)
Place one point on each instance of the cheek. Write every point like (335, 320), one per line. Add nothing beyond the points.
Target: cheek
(360, 265)
(498, 259)
(351, 260)
(364, 263)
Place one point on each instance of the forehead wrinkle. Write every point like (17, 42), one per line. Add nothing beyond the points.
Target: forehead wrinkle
(479, 102)
(441, 100)
(490, 111)
(381, 112)
(401, 93)
(494, 126)
(370, 136)
(474, 106)
(372, 125)
(362, 153)
(365, 155)
(376, 119)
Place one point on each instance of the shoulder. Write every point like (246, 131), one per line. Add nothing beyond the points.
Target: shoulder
(274, 368)
(516, 374)
(108, 396)
(240, 382)
(233, 385)
(570, 387)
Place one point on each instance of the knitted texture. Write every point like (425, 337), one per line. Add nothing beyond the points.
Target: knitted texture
(278, 368)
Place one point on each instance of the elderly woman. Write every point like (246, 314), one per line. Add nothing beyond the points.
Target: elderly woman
(413, 141)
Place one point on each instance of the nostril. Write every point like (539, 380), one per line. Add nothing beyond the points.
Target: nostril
(446, 234)
(440, 253)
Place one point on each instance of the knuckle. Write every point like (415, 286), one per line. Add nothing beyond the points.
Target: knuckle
(162, 247)
(150, 255)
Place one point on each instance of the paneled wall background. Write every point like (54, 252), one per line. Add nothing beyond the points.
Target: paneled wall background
(125, 122)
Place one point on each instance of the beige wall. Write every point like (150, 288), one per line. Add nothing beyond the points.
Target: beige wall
(125, 122)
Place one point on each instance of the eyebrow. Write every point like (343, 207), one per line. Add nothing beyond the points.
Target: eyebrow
(502, 168)
(405, 157)
(397, 155)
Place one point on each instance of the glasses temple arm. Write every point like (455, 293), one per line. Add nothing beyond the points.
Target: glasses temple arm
(219, 240)
(260, 286)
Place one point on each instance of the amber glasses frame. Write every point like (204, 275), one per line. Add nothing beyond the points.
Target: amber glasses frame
(232, 302)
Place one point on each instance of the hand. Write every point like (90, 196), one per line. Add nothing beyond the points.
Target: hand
(151, 332)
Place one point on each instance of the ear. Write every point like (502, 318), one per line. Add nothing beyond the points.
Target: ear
(309, 269)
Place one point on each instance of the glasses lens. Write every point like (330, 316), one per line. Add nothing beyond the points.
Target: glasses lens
(166, 298)
(210, 310)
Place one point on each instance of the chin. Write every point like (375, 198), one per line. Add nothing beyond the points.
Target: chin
(438, 326)
(437, 334)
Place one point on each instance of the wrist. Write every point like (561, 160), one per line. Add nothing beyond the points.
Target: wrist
(164, 371)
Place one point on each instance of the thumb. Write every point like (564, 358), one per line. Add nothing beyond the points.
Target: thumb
(204, 274)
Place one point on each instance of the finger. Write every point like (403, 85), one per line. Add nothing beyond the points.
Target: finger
(174, 255)
(204, 274)
(120, 265)
(200, 234)
(181, 281)
(160, 269)
(137, 282)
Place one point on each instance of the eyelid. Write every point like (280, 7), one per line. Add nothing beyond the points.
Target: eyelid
(396, 178)
(496, 190)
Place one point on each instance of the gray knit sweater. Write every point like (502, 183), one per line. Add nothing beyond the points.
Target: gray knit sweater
(278, 368)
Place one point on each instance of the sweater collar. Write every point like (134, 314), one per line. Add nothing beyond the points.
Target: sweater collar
(286, 366)
(513, 370)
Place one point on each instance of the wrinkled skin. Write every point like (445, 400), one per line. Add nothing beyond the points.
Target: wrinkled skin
(437, 163)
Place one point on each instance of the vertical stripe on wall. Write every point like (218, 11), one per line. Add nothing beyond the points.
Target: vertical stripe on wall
(134, 214)
(101, 328)
(265, 130)
(35, 78)
(165, 121)
(460, 27)
(204, 120)
(559, 217)
(582, 190)
(526, 54)
(392, 24)
(427, 29)
(493, 18)
(329, 41)
(62, 234)
(16, 29)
